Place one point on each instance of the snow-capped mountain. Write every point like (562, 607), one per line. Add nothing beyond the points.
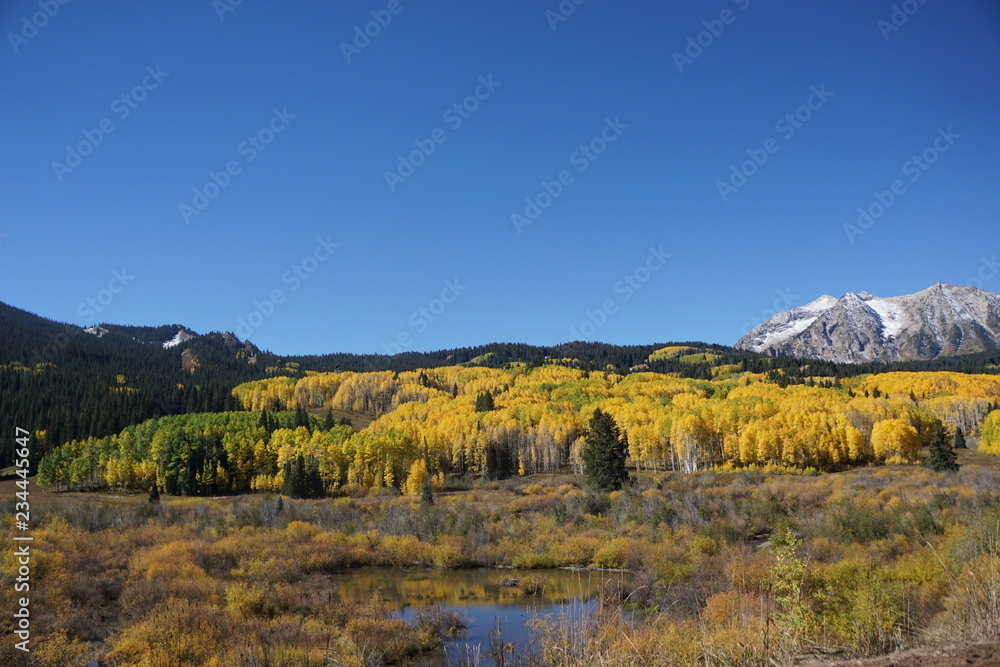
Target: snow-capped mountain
(940, 320)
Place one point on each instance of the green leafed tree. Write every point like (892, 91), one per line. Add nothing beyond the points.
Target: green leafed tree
(604, 453)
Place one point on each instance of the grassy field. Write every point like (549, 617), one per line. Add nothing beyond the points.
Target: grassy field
(359, 420)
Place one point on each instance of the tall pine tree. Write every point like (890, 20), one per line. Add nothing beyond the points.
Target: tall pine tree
(960, 439)
(484, 402)
(604, 453)
(302, 418)
(942, 457)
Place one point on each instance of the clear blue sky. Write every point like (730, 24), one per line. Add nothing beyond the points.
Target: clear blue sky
(608, 68)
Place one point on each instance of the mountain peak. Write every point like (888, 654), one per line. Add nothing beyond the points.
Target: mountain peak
(182, 336)
(851, 296)
(938, 321)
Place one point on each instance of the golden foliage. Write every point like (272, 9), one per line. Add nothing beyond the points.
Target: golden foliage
(895, 441)
(990, 441)
(420, 427)
(416, 479)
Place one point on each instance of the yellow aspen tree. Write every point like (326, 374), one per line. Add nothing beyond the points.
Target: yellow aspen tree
(416, 478)
(689, 435)
(990, 440)
(895, 441)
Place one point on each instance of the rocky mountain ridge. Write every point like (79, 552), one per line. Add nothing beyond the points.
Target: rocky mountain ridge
(942, 320)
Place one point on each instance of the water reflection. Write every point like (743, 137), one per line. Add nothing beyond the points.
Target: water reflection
(477, 596)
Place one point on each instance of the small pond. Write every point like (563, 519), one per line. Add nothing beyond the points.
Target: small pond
(476, 595)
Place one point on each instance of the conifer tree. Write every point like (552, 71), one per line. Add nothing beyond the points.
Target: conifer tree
(960, 439)
(500, 461)
(484, 402)
(295, 474)
(314, 487)
(604, 453)
(302, 480)
(266, 422)
(942, 457)
(154, 494)
(302, 418)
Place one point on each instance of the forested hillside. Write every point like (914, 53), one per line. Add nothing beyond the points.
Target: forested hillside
(524, 420)
(62, 383)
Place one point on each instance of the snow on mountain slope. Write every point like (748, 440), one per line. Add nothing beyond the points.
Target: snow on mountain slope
(891, 313)
(788, 323)
(940, 320)
(180, 338)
